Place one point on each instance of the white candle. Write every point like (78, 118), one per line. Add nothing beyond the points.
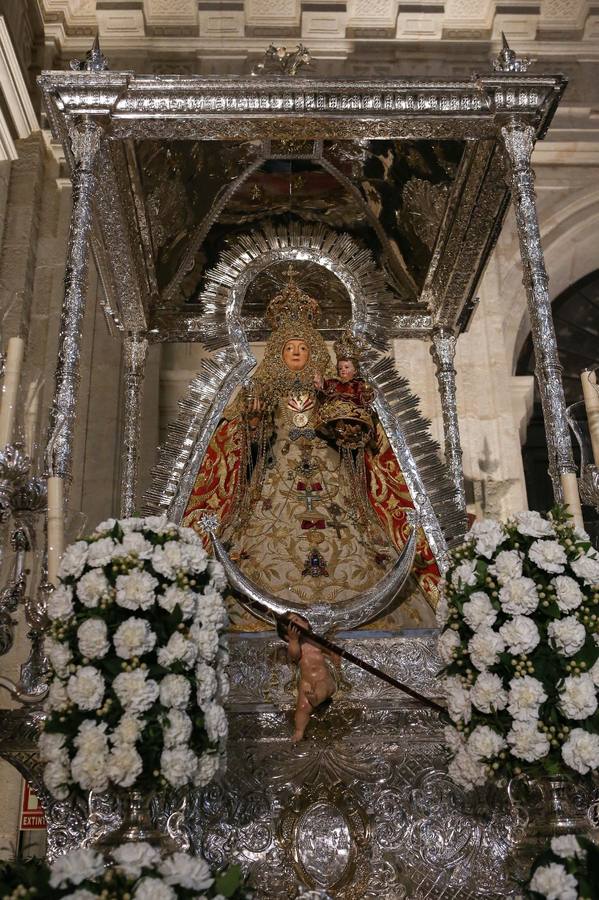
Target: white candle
(10, 388)
(55, 526)
(31, 413)
(590, 392)
(569, 484)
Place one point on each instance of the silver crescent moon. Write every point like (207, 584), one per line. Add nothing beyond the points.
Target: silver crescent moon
(377, 601)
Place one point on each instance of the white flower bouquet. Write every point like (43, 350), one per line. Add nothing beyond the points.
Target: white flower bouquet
(520, 619)
(138, 659)
(569, 870)
(138, 873)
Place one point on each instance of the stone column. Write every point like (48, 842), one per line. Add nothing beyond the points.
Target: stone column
(85, 146)
(135, 354)
(443, 352)
(518, 139)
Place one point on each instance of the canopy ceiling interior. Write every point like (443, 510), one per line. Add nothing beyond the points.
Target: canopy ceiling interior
(412, 172)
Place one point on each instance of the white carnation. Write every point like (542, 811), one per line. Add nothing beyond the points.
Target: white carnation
(507, 565)
(136, 591)
(442, 611)
(525, 697)
(578, 697)
(177, 728)
(100, 552)
(105, 526)
(90, 770)
(178, 765)
(485, 743)
(527, 742)
(211, 610)
(447, 644)
(136, 692)
(124, 765)
(222, 678)
(158, 524)
(92, 636)
(458, 699)
(92, 586)
(488, 534)
(587, 567)
(86, 688)
(135, 856)
(594, 673)
(518, 596)
(60, 603)
(175, 691)
(533, 524)
(135, 543)
(51, 746)
(567, 846)
(581, 751)
(59, 655)
(133, 637)
(207, 683)
(478, 611)
(520, 634)
(484, 648)
(194, 558)
(57, 778)
(153, 889)
(206, 641)
(173, 596)
(208, 766)
(567, 635)
(215, 722)
(488, 694)
(569, 595)
(178, 650)
(464, 574)
(217, 574)
(91, 737)
(57, 695)
(167, 559)
(553, 882)
(190, 872)
(128, 731)
(75, 867)
(73, 560)
(131, 523)
(467, 771)
(188, 535)
(548, 555)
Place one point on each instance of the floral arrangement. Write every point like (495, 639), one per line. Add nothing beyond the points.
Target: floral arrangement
(138, 661)
(520, 616)
(567, 871)
(139, 873)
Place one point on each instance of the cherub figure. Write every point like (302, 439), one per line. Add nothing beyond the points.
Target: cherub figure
(317, 672)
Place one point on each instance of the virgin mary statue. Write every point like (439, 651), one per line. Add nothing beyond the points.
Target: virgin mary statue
(306, 516)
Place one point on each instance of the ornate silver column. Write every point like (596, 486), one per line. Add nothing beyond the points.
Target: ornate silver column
(85, 143)
(518, 139)
(443, 353)
(135, 354)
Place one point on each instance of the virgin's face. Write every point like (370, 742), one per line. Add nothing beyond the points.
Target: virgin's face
(296, 354)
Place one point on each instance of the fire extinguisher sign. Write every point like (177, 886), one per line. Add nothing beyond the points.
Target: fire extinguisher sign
(32, 813)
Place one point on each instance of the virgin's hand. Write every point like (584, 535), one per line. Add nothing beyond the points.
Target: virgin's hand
(318, 381)
(256, 405)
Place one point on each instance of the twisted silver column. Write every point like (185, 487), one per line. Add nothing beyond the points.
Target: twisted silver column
(85, 144)
(443, 353)
(519, 141)
(135, 348)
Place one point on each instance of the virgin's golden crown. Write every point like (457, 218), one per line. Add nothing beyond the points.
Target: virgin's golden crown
(292, 306)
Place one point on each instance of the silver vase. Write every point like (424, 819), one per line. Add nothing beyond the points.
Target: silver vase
(136, 826)
(544, 808)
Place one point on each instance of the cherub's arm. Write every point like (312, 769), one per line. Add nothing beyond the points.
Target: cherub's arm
(294, 650)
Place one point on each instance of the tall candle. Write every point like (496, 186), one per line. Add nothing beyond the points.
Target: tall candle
(55, 526)
(590, 392)
(569, 484)
(31, 413)
(10, 388)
